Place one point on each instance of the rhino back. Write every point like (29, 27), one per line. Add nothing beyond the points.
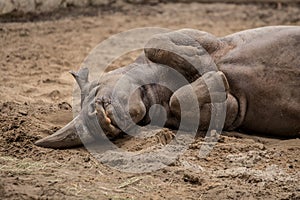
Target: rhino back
(263, 65)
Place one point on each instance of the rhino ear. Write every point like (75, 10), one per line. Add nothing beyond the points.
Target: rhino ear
(81, 77)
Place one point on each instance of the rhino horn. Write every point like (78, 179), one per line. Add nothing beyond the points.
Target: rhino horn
(65, 137)
(81, 77)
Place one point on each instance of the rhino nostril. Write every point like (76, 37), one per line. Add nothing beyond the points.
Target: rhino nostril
(104, 101)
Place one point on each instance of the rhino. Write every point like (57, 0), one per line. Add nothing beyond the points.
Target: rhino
(256, 75)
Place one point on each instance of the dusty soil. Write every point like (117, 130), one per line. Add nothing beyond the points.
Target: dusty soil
(36, 99)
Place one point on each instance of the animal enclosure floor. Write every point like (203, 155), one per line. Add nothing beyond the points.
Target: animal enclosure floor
(36, 98)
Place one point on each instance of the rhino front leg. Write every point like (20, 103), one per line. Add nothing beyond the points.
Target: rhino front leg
(188, 51)
(211, 88)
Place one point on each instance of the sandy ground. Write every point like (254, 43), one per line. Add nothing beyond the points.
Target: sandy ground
(36, 99)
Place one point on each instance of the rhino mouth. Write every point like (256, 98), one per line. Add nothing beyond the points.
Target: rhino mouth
(110, 120)
(106, 118)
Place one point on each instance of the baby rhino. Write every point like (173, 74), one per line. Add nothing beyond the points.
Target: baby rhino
(256, 73)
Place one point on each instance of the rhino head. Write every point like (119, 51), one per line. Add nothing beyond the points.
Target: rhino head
(103, 111)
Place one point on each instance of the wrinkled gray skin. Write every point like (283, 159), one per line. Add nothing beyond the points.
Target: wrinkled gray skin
(258, 70)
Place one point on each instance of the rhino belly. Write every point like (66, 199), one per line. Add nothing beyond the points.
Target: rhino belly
(272, 99)
(276, 113)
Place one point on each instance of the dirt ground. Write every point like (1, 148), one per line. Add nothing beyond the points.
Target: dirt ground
(36, 99)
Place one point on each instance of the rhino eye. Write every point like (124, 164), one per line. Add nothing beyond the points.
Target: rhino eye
(105, 104)
(106, 101)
